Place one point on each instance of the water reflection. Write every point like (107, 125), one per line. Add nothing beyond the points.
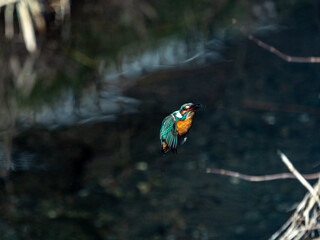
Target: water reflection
(103, 99)
(170, 54)
(93, 104)
(17, 160)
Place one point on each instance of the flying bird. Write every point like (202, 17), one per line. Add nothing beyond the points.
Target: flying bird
(175, 127)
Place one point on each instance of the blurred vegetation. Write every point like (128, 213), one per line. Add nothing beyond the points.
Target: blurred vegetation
(65, 42)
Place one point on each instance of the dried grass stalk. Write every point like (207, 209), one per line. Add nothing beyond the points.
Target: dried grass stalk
(27, 26)
(31, 18)
(302, 180)
(305, 222)
(7, 2)
(24, 76)
(8, 16)
(36, 11)
(61, 8)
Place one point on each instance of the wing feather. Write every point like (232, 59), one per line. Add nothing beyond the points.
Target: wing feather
(168, 132)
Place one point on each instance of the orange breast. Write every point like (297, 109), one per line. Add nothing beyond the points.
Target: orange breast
(184, 126)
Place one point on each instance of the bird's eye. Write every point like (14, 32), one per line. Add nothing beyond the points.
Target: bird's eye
(186, 107)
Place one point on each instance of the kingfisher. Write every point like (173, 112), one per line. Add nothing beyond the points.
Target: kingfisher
(175, 127)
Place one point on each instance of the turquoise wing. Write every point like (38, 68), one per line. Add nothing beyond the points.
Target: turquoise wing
(169, 133)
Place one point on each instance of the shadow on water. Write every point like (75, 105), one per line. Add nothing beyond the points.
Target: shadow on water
(79, 144)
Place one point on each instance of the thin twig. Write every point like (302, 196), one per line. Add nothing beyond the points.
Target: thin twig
(262, 178)
(275, 51)
(272, 106)
(302, 180)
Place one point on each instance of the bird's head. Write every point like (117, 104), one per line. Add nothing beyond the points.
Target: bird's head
(188, 110)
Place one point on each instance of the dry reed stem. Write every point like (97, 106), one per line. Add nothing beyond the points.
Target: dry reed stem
(8, 18)
(304, 223)
(27, 26)
(36, 11)
(31, 17)
(302, 180)
(7, 2)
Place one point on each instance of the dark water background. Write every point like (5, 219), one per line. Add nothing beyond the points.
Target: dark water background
(80, 152)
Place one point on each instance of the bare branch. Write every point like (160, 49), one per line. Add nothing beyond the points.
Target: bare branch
(275, 51)
(272, 106)
(262, 178)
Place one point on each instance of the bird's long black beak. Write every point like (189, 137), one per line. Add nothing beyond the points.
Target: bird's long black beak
(195, 106)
